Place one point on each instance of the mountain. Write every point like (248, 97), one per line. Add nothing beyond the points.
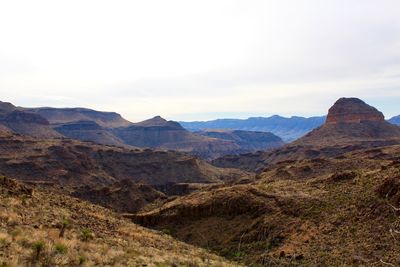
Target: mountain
(170, 135)
(26, 123)
(288, 129)
(395, 120)
(336, 189)
(68, 115)
(351, 124)
(110, 128)
(351, 119)
(32, 220)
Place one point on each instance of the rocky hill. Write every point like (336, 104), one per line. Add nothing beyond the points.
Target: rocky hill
(42, 228)
(351, 119)
(26, 123)
(289, 129)
(70, 165)
(309, 212)
(67, 115)
(109, 128)
(89, 131)
(160, 133)
(247, 141)
(351, 124)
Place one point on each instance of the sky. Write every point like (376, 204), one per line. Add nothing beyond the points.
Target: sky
(200, 60)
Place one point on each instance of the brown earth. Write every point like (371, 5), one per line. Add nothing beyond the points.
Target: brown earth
(306, 212)
(93, 236)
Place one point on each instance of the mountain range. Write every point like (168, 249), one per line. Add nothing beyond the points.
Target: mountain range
(289, 129)
(109, 128)
(329, 198)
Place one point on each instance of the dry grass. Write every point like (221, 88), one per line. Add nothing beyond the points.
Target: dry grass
(25, 221)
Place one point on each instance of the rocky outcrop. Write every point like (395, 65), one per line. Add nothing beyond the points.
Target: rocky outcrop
(353, 110)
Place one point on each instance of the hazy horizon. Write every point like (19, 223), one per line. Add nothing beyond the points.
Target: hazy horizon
(190, 60)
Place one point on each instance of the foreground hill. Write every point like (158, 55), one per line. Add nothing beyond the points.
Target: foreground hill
(288, 129)
(308, 212)
(31, 222)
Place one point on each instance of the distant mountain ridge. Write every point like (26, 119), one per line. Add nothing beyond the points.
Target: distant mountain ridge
(395, 120)
(110, 128)
(289, 129)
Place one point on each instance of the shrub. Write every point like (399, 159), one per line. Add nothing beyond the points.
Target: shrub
(38, 247)
(86, 234)
(64, 225)
(61, 249)
(81, 259)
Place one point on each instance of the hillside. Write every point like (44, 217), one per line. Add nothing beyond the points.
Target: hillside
(307, 212)
(70, 166)
(67, 115)
(110, 128)
(31, 221)
(248, 141)
(288, 129)
(160, 133)
(23, 122)
(351, 124)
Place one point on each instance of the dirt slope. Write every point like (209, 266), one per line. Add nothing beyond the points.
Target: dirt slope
(93, 236)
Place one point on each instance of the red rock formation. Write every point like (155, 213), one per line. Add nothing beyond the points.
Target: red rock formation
(353, 110)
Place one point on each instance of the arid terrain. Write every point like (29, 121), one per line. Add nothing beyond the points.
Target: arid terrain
(330, 198)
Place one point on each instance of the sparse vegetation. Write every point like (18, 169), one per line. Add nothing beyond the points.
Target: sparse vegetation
(86, 234)
(60, 248)
(32, 235)
(65, 223)
(38, 247)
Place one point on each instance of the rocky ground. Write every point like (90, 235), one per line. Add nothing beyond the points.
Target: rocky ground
(31, 222)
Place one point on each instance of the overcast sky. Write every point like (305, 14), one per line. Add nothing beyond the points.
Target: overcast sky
(191, 60)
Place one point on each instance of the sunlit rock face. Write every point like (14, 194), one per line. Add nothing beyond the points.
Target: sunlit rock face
(353, 110)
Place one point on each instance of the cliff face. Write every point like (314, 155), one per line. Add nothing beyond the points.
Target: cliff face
(353, 110)
(28, 123)
(67, 115)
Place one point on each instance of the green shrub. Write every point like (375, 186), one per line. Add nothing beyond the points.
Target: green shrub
(64, 225)
(38, 247)
(61, 249)
(81, 259)
(86, 234)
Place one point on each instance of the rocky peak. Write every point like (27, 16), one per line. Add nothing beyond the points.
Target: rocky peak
(353, 110)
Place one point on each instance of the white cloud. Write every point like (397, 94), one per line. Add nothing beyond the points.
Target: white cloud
(200, 59)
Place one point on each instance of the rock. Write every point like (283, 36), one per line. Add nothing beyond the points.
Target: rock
(353, 110)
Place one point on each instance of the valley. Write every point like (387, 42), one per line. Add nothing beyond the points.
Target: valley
(329, 198)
